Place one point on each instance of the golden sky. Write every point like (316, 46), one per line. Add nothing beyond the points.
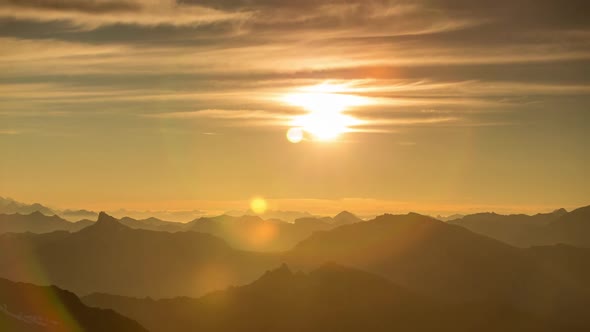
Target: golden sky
(373, 106)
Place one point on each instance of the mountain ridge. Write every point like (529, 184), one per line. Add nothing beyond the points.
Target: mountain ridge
(329, 298)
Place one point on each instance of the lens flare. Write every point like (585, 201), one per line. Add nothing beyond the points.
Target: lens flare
(258, 205)
(295, 135)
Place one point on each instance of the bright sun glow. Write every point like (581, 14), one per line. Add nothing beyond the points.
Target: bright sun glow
(325, 125)
(325, 119)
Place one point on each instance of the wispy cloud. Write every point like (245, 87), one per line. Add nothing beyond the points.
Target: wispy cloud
(90, 14)
(9, 132)
(232, 118)
(221, 114)
(230, 60)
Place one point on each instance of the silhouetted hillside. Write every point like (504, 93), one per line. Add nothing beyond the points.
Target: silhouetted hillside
(447, 262)
(331, 298)
(29, 308)
(113, 258)
(572, 228)
(557, 227)
(416, 251)
(37, 222)
(512, 229)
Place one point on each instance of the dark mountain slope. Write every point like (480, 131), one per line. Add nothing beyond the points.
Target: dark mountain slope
(451, 263)
(331, 298)
(418, 252)
(560, 226)
(513, 229)
(29, 308)
(36, 222)
(572, 228)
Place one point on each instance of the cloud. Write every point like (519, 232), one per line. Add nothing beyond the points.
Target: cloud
(220, 114)
(9, 132)
(232, 118)
(231, 59)
(90, 14)
(85, 6)
(384, 122)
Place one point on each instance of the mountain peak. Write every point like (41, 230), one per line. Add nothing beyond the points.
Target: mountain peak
(344, 214)
(107, 222)
(104, 217)
(36, 213)
(346, 217)
(277, 276)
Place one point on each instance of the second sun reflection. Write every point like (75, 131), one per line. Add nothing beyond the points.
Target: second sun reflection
(324, 119)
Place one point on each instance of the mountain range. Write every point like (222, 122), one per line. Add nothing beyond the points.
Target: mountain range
(450, 263)
(521, 230)
(431, 259)
(244, 232)
(113, 258)
(37, 222)
(329, 298)
(10, 206)
(254, 233)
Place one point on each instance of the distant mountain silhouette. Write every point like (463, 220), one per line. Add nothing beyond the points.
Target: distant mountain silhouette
(37, 222)
(10, 206)
(29, 308)
(572, 228)
(254, 233)
(110, 257)
(451, 217)
(345, 218)
(448, 263)
(541, 229)
(288, 216)
(181, 216)
(73, 215)
(153, 224)
(245, 232)
(330, 298)
(342, 218)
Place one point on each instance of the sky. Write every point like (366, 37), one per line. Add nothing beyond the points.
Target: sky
(435, 106)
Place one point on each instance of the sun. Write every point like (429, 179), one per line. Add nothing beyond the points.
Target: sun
(325, 119)
(324, 125)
